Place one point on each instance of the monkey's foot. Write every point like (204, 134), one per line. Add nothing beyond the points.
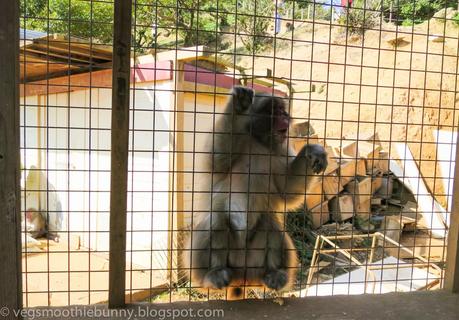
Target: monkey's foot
(275, 279)
(218, 278)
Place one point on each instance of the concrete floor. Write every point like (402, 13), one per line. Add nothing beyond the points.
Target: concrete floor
(436, 305)
(59, 268)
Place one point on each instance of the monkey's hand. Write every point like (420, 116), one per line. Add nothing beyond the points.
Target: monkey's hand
(242, 98)
(316, 157)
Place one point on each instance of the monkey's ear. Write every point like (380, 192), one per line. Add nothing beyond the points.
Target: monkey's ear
(242, 98)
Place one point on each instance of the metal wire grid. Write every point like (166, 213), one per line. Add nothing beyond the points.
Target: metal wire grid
(155, 214)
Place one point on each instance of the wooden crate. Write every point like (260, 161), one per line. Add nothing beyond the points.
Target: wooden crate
(314, 195)
(341, 207)
(360, 190)
(370, 152)
(376, 180)
(320, 215)
(331, 185)
(350, 169)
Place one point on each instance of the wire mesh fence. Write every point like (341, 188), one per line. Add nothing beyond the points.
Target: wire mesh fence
(276, 148)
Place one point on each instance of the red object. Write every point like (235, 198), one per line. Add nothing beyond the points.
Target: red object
(209, 77)
(212, 78)
(161, 70)
(346, 3)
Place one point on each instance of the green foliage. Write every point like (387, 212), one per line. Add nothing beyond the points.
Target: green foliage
(298, 225)
(456, 18)
(194, 21)
(75, 18)
(253, 28)
(409, 12)
(363, 15)
(318, 9)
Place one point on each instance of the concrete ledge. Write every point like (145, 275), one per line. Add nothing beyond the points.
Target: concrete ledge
(438, 305)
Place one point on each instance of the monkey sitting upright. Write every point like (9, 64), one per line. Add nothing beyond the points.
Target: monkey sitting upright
(256, 178)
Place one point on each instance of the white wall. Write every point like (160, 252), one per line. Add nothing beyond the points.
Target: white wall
(74, 135)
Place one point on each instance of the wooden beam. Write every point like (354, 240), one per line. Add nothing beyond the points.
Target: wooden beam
(70, 48)
(119, 154)
(433, 213)
(10, 208)
(177, 214)
(97, 78)
(50, 56)
(452, 255)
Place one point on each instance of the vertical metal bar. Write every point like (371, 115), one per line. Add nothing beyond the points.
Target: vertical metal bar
(10, 208)
(119, 151)
(452, 256)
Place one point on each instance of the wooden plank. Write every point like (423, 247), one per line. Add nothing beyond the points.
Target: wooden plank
(344, 148)
(302, 128)
(421, 243)
(383, 161)
(350, 169)
(376, 180)
(361, 193)
(332, 161)
(177, 214)
(66, 48)
(331, 185)
(341, 207)
(446, 151)
(370, 152)
(97, 78)
(433, 213)
(10, 208)
(452, 265)
(320, 215)
(297, 143)
(119, 154)
(204, 89)
(50, 56)
(183, 54)
(392, 227)
(314, 195)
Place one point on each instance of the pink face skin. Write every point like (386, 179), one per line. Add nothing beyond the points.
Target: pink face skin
(29, 215)
(281, 124)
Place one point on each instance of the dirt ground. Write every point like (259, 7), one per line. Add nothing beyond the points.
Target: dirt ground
(365, 84)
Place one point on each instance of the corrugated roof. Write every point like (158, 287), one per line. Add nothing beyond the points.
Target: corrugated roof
(26, 34)
(45, 56)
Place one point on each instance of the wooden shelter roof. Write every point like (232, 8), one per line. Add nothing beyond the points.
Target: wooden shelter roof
(45, 56)
(58, 63)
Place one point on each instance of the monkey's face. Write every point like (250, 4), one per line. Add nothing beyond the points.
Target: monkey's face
(269, 120)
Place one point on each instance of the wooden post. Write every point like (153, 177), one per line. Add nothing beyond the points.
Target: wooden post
(452, 256)
(119, 151)
(390, 11)
(10, 208)
(176, 222)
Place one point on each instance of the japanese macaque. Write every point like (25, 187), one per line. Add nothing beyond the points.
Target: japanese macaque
(35, 224)
(255, 180)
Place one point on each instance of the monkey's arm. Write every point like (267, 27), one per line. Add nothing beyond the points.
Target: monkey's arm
(231, 130)
(301, 172)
